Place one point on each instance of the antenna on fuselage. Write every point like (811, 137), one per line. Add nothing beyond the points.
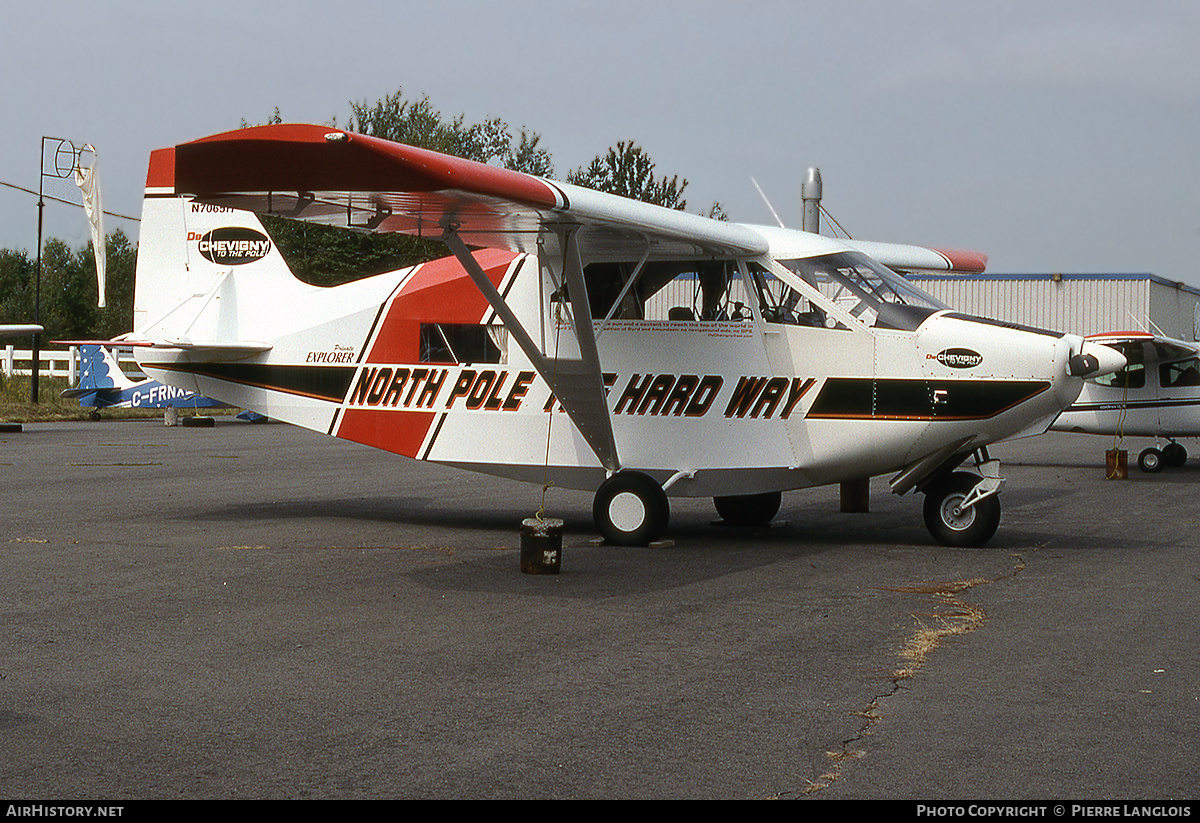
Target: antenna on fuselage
(763, 194)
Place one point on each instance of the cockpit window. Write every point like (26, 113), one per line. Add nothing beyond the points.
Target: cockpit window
(1179, 374)
(690, 290)
(714, 290)
(869, 291)
(1131, 377)
(780, 303)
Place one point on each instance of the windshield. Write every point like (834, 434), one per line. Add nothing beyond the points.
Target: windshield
(870, 291)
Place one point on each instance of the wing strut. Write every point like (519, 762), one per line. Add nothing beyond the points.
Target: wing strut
(637, 272)
(576, 383)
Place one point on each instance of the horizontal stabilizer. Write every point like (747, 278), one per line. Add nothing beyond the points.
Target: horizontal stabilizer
(243, 347)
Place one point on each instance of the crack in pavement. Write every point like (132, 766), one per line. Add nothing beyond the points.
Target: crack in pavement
(950, 616)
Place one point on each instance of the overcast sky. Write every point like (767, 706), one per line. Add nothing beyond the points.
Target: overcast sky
(1052, 136)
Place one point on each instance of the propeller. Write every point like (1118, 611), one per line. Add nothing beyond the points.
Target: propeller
(1094, 360)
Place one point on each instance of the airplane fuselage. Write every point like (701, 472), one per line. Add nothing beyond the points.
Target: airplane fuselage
(708, 407)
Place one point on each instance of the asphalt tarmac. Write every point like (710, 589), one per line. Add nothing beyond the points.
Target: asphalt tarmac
(257, 611)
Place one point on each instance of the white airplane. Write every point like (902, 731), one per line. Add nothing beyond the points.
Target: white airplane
(544, 349)
(1156, 395)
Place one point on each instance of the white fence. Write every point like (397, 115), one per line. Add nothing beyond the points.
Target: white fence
(60, 362)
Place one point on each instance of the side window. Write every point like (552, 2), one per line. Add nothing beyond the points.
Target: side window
(1179, 374)
(1133, 377)
(462, 343)
(779, 303)
(668, 290)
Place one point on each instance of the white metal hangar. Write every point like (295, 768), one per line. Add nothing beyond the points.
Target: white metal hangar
(1076, 303)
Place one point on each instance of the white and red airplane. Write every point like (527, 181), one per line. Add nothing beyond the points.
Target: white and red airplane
(1156, 395)
(599, 342)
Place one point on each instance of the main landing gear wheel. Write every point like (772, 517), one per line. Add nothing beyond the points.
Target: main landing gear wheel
(1150, 460)
(748, 509)
(1174, 455)
(631, 509)
(952, 525)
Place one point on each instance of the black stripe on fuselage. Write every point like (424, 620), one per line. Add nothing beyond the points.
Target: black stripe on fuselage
(901, 399)
(1004, 324)
(318, 382)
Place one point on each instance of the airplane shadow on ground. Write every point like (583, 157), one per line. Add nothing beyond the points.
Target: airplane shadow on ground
(895, 523)
(484, 540)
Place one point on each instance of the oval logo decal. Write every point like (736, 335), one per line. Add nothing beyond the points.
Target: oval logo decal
(958, 358)
(234, 245)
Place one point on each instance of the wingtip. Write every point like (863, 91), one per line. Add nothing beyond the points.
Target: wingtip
(972, 262)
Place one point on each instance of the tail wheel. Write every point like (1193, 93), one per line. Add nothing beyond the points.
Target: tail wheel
(748, 509)
(952, 525)
(1150, 460)
(1174, 455)
(631, 509)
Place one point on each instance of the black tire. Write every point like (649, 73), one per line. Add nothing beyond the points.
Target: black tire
(951, 526)
(748, 509)
(631, 509)
(1150, 460)
(1174, 455)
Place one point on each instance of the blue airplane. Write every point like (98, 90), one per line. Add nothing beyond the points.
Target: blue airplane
(103, 385)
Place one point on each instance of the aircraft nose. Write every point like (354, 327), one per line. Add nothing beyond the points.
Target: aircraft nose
(1095, 360)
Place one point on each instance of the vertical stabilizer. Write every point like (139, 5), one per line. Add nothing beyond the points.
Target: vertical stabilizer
(99, 369)
(196, 262)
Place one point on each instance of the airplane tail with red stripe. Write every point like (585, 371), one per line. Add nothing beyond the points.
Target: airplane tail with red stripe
(218, 311)
(187, 252)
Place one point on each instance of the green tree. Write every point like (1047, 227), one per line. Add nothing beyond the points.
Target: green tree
(418, 123)
(328, 255)
(120, 266)
(629, 172)
(68, 291)
(16, 286)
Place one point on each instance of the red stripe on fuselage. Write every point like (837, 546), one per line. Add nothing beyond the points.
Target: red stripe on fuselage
(400, 432)
(439, 292)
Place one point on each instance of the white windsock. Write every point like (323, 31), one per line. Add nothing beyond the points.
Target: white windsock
(88, 181)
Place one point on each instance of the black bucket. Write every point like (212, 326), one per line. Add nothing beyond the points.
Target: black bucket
(541, 545)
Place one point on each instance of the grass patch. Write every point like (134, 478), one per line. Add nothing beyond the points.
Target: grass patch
(15, 406)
